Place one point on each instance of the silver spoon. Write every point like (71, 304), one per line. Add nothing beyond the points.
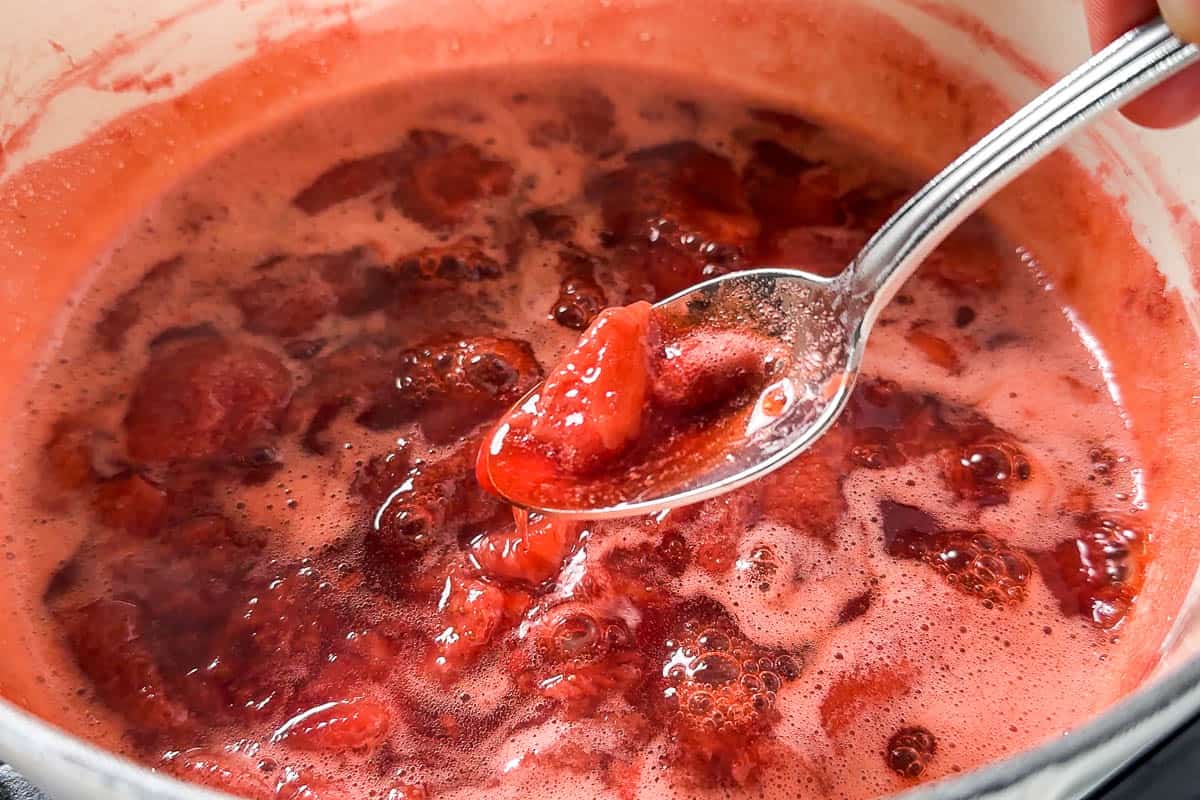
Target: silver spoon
(826, 321)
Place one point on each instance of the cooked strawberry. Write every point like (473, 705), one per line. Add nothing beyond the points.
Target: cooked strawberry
(532, 551)
(820, 250)
(128, 308)
(433, 504)
(580, 297)
(552, 224)
(1097, 575)
(682, 183)
(854, 695)
(270, 643)
(972, 561)
(472, 612)
(382, 475)
(888, 426)
(935, 349)
(350, 179)
(806, 493)
(986, 471)
(451, 387)
(350, 377)
(69, 454)
(963, 262)
(719, 697)
(206, 398)
(705, 369)
(669, 259)
(336, 727)
(108, 640)
(590, 407)
(587, 121)
(581, 656)
(131, 504)
(444, 178)
(278, 304)
(447, 266)
(786, 190)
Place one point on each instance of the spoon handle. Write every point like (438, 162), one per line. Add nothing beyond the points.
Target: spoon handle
(1139, 60)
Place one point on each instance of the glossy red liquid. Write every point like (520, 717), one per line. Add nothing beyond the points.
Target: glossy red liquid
(263, 427)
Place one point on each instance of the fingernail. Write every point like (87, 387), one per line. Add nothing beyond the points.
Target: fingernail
(1183, 16)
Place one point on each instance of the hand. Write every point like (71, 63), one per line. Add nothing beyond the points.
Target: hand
(1176, 101)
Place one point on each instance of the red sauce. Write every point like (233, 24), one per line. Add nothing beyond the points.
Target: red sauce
(290, 583)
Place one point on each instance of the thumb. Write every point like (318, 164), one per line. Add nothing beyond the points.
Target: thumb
(1183, 17)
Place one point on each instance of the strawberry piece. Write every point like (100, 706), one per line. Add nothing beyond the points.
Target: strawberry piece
(972, 561)
(718, 526)
(69, 454)
(337, 727)
(350, 179)
(719, 697)
(986, 471)
(671, 259)
(705, 369)
(358, 277)
(590, 407)
(448, 266)
(204, 399)
(1098, 574)
(223, 771)
(270, 643)
(285, 305)
(964, 263)
(806, 493)
(444, 178)
(407, 791)
(437, 179)
(348, 378)
(451, 387)
(131, 504)
(889, 426)
(909, 751)
(786, 190)
(382, 475)
(106, 637)
(580, 297)
(430, 506)
(936, 350)
(581, 657)
(868, 206)
(680, 182)
(473, 612)
(532, 551)
(587, 121)
(679, 213)
(552, 224)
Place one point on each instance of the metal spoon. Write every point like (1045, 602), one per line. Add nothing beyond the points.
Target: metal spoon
(826, 321)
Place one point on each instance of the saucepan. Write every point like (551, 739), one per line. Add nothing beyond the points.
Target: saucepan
(156, 88)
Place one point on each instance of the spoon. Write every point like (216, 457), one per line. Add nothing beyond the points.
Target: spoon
(826, 321)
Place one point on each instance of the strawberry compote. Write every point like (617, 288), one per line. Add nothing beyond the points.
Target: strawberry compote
(259, 437)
